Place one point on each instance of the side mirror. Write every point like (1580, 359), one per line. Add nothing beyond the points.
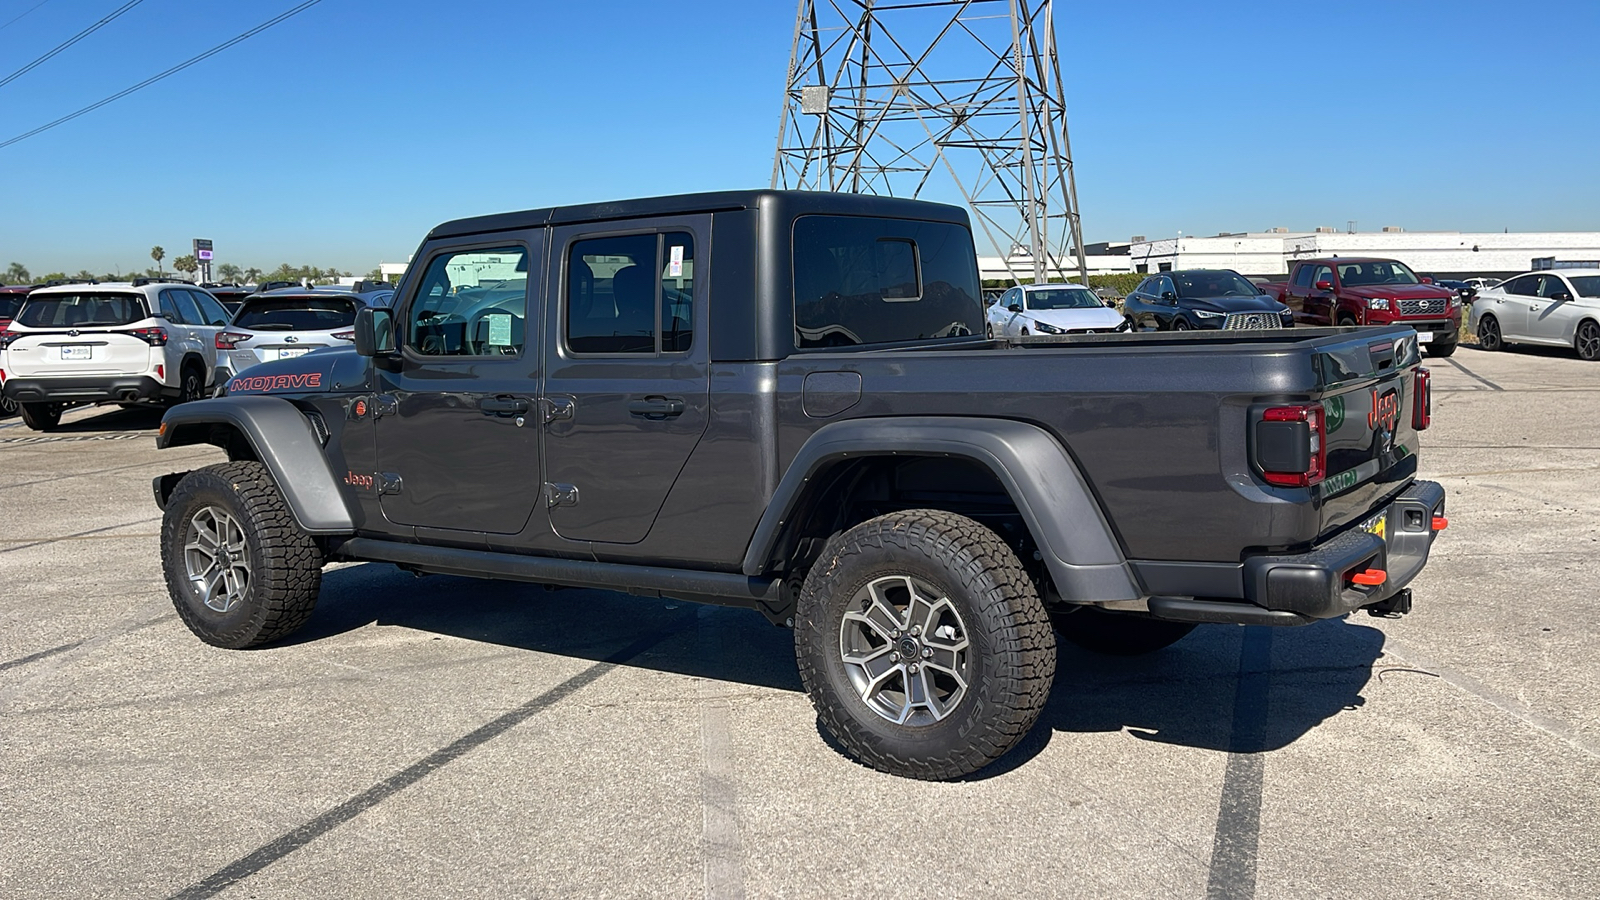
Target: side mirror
(1427, 279)
(374, 331)
(1562, 297)
(1015, 307)
(1324, 285)
(1168, 296)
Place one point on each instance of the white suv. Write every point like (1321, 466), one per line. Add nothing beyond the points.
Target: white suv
(143, 341)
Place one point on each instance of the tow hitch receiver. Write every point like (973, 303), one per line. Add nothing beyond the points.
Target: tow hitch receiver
(1392, 608)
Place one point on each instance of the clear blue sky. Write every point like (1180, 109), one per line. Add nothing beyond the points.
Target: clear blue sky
(340, 136)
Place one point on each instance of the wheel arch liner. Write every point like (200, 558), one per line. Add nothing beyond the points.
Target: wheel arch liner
(1066, 522)
(283, 440)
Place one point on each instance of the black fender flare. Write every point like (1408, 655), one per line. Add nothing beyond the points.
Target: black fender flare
(284, 441)
(1079, 549)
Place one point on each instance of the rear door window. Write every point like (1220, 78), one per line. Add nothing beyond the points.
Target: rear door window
(297, 314)
(860, 280)
(631, 293)
(81, 310)
(1302, 276)
(1525, 286)
(189, 307)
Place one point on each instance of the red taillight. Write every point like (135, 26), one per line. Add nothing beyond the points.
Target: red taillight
(227, 339)
(345, 335)
(1422, 404)
(155, 337)
(1283, 443)
(7, 336)
(2, 376)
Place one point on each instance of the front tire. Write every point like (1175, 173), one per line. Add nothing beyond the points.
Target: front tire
(1489, 334)
(41, 416)
(923, 644)
(241, 573)
(1587, 341)
(1118, 634)
(1180, 324)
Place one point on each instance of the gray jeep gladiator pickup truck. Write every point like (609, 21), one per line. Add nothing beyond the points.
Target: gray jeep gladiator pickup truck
(785, 401)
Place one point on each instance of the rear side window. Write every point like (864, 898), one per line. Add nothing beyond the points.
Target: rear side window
(1302, 276)
(1524, 286)
(631, 293)
(81, 310)
(297, 314)
(862, 280)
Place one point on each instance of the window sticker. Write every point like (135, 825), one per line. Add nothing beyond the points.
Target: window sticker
(675, 264)
(499, 329)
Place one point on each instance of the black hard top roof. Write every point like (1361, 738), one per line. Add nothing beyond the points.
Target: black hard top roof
(788, 202)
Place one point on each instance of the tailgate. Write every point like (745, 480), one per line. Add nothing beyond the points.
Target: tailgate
(1369, 394)
(82, 352)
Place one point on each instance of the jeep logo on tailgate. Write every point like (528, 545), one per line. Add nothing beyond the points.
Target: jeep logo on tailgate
(1385, 409)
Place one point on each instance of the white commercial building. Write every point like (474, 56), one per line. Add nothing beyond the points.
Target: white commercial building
(1442, 253)
(1020, 265)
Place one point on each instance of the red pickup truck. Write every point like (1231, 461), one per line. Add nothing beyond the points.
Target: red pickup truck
(1358, 291)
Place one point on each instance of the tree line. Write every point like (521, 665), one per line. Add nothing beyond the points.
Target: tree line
(17, 273)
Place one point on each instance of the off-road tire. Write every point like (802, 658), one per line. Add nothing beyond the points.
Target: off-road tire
(285, 563)
(1440, 351)
(1489, 335)
(1587, 340)
(1118, 634)
(1010, 654)
(41, 416)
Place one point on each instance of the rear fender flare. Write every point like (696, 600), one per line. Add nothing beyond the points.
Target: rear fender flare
(1082, 554)
(284, 441)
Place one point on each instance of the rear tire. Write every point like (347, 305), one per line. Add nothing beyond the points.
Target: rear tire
(41, 416)
(191, 384)
(1118, 634)
(1489, 334)
(923, 644)
(8, 407)
(239, 570)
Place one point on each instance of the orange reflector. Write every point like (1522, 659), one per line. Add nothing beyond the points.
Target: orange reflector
(162, 430)
(1440, 523)
(1370, 577)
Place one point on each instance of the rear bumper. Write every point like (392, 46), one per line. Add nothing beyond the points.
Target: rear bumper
(1294, 589)
(90, 388)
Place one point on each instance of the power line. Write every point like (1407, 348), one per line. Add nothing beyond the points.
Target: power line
(70, 41)
(155, 78)
(16, 18)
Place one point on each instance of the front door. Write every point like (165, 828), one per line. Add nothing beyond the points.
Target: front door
(1549, 318)
(455, 416)
(627, 374)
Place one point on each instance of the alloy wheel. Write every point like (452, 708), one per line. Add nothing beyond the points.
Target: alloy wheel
(905, 650)
(1489, 334)
(216, 558)
(1588, 341)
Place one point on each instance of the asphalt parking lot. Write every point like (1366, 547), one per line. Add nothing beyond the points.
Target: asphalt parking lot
(447, 737)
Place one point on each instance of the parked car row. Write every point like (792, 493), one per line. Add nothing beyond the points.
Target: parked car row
(151, 341)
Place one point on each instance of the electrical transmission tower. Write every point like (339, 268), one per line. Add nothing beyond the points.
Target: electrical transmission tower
(892, 97)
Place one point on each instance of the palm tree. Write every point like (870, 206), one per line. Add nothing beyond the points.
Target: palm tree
(229, 272)
(17, 273)
(158, 254)
(252, 275)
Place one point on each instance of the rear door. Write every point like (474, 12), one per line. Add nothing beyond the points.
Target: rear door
(455, 420)
(80, 334)
(1522, 295)
(627, 375)
(1294, 296)
(202, 333)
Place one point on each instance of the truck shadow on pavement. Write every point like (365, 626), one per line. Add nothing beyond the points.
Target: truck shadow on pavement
(1184, 695)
